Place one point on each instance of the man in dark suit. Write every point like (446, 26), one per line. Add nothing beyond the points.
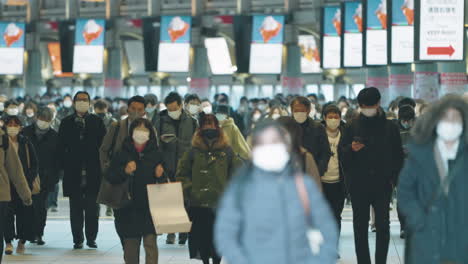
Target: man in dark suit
(80, 136)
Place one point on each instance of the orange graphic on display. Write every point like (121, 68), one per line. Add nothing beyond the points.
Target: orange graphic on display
(337, 22)
(91, 31)
(381, 13)
(12, 34)
(177, 28)
(408, 11)
(270, 28)
(358, 18)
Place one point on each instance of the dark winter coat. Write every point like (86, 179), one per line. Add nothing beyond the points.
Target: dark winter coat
(46, 150)
(135, 220)
(378, 164)
(75, 153)
(315, 140)
(174, 150)
(436, 226)
(31, 166)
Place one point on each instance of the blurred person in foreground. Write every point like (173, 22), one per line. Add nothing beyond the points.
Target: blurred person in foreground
(270, 212)
(432, 190)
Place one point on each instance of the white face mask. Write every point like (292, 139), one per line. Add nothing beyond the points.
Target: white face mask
(29, 114)
(256, 117)
(369, 112)
(140, 136)
(42, 125)
(67, 103)
(312, 113)
(208, 110)
(13, 131)
(275, 116)
(271, 157)
(13, 111)
(193, 109)
(221, 117)
(449, 131)
(300, 117)
(175, 114)
(333, 123)
(82, 107)
(2, 106)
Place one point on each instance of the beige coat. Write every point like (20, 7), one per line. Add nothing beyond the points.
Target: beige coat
(235, 138)
(11, 170)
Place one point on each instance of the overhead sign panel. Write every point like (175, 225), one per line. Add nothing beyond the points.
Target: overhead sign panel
(331, 37)
(352, 38)
(12, 47)
(440, 27)
(402, 31)
(266, 52)
(376, 32)
(310, 54)
(219, 56)
(174, 46)
(88, 56)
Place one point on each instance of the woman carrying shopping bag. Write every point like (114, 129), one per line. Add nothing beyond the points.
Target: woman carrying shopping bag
(138, 164)
(272, 213)
(204, 171)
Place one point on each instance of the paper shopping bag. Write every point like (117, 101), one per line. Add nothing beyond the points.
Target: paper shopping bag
(167, 208)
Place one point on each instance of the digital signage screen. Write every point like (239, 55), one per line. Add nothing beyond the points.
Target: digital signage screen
(174, 46)
(402, 31)
(88, 55)
(310, 54)
(440, 30)
(12, 47)
(376, 32)
(219, 56)
(331, 37)
(266, 51)
(352, 37)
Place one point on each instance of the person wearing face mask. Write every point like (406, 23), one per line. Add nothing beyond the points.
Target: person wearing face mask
(175, 128)
(373, 158)
(45, 140)
(204, 171)
(118, 132)
(29, 113)
(333, 181)
(20, 218)
(223, 99)
(269, 209)
(101, 109)
(67, 108)
(314, 134)
(432, 192)
(55, 121)
(275, 113)
(193, 105)
(3, 99)
(233, 135)
(151, 109)
(206, 106)
(80, 136)
(12, 109)
(139, 161)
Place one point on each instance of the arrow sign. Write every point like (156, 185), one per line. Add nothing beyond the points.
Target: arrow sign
(441, 50)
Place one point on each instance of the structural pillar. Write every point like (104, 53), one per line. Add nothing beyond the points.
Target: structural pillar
(33, 75)
(292, 82)
(426, 82)
(113, 85)
(378, 77)
(453, 78)
(401, 80)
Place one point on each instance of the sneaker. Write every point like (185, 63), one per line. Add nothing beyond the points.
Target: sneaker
(39, 241)
(54, 209)
(183, 238)
(9, 249)
(78, 246)
(21, 248)
(109, 211)
(91, 244)
(170, 239)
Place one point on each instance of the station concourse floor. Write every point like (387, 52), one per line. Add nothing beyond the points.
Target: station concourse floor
(58, 248)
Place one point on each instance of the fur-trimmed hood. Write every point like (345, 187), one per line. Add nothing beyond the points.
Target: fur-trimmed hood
(198, 142)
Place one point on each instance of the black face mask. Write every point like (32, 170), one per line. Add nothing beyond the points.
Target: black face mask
(102, 115)
(210, 134)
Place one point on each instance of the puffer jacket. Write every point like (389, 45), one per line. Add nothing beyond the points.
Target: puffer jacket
(235, 138)
(204, 171)
(264, 206)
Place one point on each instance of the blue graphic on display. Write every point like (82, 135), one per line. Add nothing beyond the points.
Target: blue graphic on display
(332, 21)
(376, 14)
(176, 29)
(12, 35)
(268, 29)
(402, 12)
(353, 17)
(90, 32)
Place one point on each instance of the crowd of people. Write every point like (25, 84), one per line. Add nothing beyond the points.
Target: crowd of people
(265, 183)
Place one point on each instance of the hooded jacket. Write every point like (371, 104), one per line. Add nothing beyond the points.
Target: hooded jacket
(235, 138)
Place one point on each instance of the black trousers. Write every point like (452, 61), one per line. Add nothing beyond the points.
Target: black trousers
(335, 196)
(362, 199)
(3, 208)
(84, 212)
(40, 212)
(19, 221)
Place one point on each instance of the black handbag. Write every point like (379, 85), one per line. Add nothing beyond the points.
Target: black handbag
(116, 196)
